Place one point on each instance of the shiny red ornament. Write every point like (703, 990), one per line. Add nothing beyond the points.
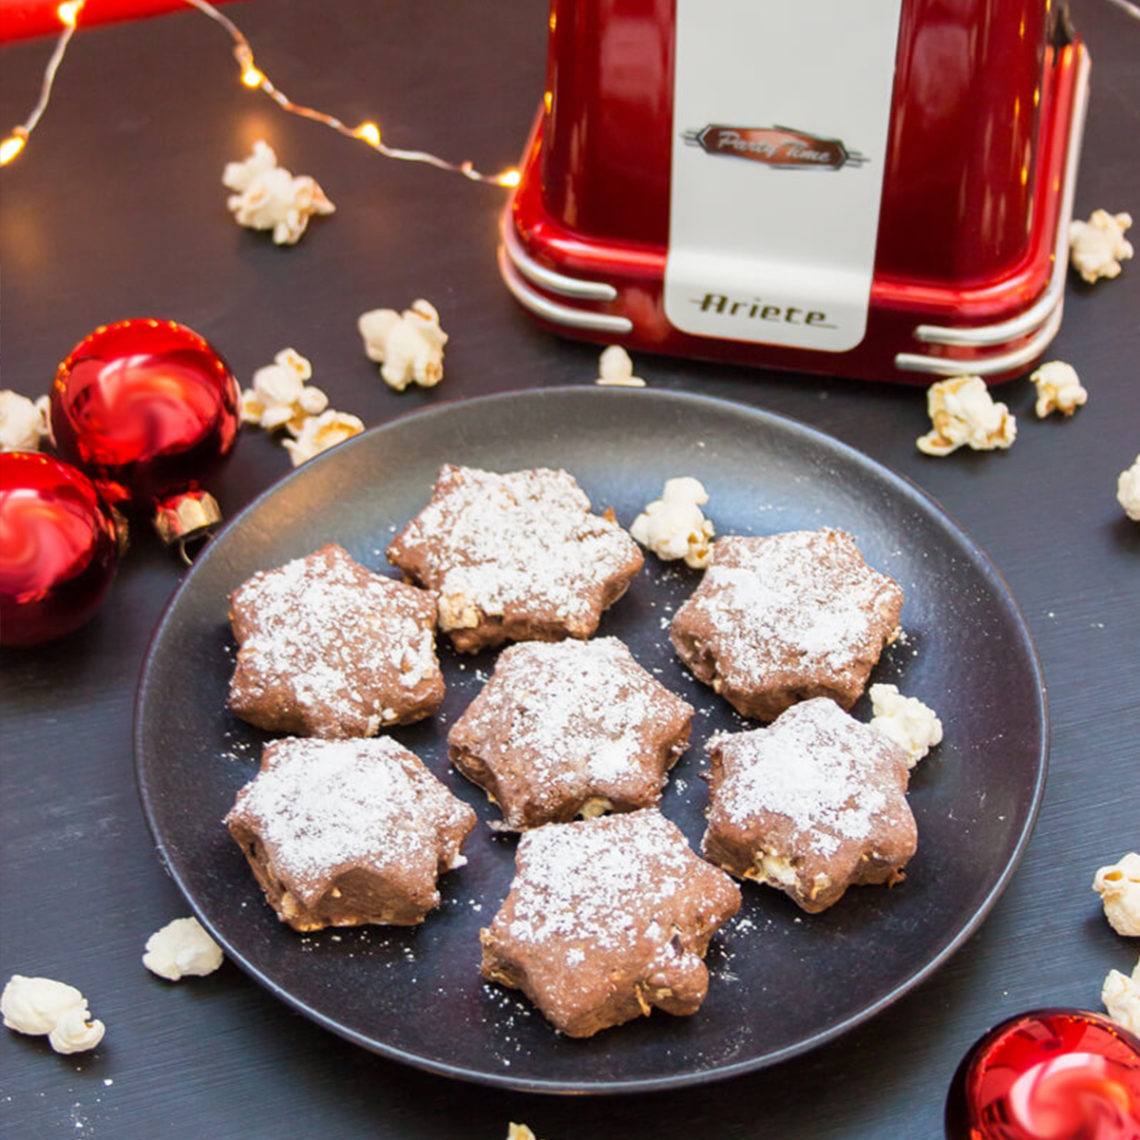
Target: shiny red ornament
(147, 408)
(1050, 1074)
(58, 548)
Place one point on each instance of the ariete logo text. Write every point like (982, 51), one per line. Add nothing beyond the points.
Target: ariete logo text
(757, 309)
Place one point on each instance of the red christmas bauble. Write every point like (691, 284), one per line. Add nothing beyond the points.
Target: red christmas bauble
(1050, 1074)
(147, 408)
(58, 548)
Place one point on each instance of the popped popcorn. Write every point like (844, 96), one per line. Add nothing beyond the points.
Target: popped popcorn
(280, 396)
(182, 948)
(41, 1006)
(1098, 246)
(1128, 490)
(615, 369)
(520, 1132)
(912, 725)
(269, 197)
(24, 423)
(1121, 997)
(1058, 389)
(1119, 888)
(319, 433)
(964, 413)
(409, 345)
(674, 526)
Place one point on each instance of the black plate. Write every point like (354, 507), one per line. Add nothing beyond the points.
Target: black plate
(782, 982)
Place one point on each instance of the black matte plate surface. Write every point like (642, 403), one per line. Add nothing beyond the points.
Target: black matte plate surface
(782, 981)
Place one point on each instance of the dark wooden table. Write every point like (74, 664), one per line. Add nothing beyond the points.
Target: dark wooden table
(116, 210)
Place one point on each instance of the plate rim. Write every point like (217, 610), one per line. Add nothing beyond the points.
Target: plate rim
(447, 409)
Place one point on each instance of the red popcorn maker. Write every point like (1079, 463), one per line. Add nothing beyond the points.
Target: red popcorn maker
(872, 188)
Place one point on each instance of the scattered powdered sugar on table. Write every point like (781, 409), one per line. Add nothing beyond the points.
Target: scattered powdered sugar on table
(239, 749)
(511, 1014)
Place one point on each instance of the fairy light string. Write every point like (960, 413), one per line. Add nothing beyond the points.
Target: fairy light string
(68, 14)
(253, 77)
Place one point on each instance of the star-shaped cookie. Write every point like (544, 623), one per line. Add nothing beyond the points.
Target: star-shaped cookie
(344, 832)
(606, 919)
(569, 728)
(515, 557)
(327, 648)
(811, 805)
(783, 618)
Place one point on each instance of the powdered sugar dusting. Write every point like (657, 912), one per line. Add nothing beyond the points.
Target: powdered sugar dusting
(562, 721)
(607, 918)
(805, 596)
(598, 881)
(343, 647)
(815, 766)
(519, 541)
(321, 806)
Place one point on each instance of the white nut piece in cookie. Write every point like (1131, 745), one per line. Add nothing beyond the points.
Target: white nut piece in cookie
(964, 414)
(615, 369)
(40, 1006)
(1121, 997)
(319, 433)
(1128, 491)
(458, 611)
(1058, 389)
(24, 423)
(268, 197)
(182, 948)
(1098, 246)
(912, 725)
(674, 526)
(280, 396)
(408, 345)
(1119, 888)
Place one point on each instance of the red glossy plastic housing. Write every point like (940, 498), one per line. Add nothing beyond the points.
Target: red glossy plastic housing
(982, 150)
(23, 19)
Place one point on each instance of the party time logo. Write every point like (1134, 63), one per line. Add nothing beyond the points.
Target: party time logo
(779, 147)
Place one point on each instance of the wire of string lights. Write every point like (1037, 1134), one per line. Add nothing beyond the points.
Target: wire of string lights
(253, 77)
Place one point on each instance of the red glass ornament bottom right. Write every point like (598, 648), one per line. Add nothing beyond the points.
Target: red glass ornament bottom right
(1050, 1074)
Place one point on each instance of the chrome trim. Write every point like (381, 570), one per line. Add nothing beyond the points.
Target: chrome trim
(982, 366)
(1042, 309)
(547, 278)
(554, 312)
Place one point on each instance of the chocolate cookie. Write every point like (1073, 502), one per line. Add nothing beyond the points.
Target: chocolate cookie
(780, 619)
(345, 832)
(574, 727)
(607, 918)
(515, 557)
(811, 805)
(327, 648)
